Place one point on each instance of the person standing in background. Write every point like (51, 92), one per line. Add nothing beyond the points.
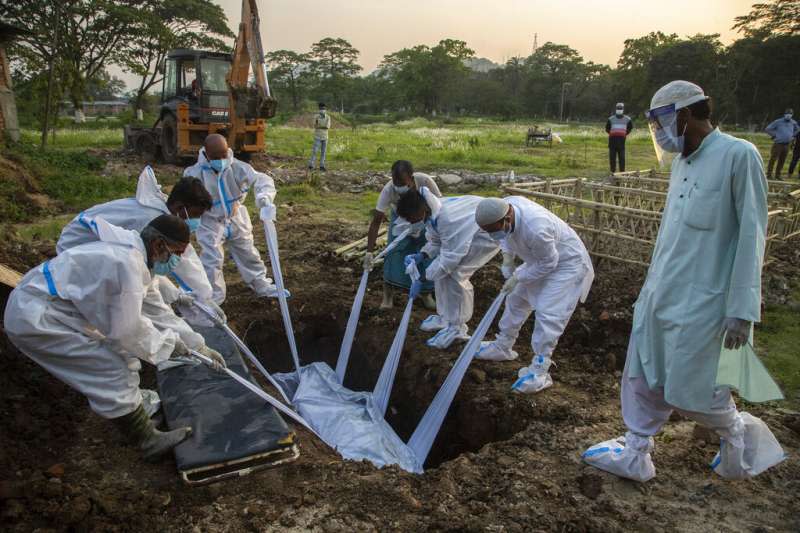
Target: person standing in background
(618, 126)
(795, 154)
(322, 123)
(782, 131)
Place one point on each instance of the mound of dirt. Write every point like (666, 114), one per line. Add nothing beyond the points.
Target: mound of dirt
(22, 197)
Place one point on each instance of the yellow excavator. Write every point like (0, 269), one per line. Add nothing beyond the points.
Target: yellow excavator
(207, 92)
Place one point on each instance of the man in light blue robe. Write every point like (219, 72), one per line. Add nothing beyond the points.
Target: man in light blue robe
(703, 288)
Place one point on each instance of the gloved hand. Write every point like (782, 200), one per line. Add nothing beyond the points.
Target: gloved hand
(180, 350)
(736, 333)
(508, 265)
(510, 283)
(416, 289)
(268, 212)
(414, 258)
(223, 318)
(185, 299)
(217, 361)
(369, 261)
(263, 201)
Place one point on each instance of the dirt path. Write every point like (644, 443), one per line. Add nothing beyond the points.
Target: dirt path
(502, 462)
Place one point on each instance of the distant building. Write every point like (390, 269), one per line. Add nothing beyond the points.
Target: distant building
(98, 108)
(8, 108)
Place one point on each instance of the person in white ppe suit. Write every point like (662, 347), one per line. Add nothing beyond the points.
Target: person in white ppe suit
(703, 289)
(227, 223)
(188, 200)
(556, 273)
(458, 248)
(92, 313)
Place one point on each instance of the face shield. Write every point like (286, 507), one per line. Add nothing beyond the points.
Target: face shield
(663, 122)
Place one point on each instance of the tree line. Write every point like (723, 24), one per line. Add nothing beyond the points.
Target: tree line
(751, 80)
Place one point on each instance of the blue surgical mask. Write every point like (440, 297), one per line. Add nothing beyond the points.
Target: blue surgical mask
(162, 268)
(218, 165)
(193, 224)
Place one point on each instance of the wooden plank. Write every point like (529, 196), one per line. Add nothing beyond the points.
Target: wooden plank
(9, 276)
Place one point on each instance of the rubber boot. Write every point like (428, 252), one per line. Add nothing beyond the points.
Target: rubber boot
(388, 297)
(428, 301)
(140, 431)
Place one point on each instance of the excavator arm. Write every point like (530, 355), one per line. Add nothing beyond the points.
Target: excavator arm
(248, 102)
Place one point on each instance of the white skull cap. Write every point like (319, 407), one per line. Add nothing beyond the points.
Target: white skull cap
(490, 210)
(679, 92)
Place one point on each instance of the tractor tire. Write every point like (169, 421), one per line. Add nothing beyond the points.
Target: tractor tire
(147, 147)
(169, 140)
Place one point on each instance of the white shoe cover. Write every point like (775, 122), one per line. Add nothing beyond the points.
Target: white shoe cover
(627, 457)
(748, 451)
(530, 383)
(433, 323)
(490, 351)
(448, 336)
(271, 291)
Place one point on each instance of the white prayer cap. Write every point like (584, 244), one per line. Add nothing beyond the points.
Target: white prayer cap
(679, 92)
(490, 210)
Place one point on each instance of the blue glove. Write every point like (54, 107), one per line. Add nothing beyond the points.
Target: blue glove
(414, 258)
(416, 289)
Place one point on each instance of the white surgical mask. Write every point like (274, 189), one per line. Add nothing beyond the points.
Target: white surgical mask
(401, 190)
(664, 128)
(619, 112)
(787, 116)
(500, 234)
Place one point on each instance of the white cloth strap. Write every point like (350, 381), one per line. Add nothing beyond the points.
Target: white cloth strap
(383, 388)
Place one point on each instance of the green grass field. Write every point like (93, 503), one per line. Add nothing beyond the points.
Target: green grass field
(473, 144)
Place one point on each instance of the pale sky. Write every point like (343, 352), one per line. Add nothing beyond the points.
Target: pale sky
(495, 29)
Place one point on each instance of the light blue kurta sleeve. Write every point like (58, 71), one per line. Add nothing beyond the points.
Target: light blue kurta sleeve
(750, 197)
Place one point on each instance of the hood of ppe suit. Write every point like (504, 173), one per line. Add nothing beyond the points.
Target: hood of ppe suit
(434, 204)
(148, 191)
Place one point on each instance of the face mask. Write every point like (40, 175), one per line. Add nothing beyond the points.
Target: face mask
(619, 112)
(162, 268)
(193, 223)
(416, 228)
(669, 140)
(787, 116)
(401, 190)
(500, 234)
(218, 165)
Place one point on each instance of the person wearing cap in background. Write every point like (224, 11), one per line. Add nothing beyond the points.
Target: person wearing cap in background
(703, 289)
(618, 126)
(404, 179)
(227, 223)
(556, 272)
(322, 123)
(782, 131)
(92, 313)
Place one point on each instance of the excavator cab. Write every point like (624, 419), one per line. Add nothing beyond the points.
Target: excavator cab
(207, 92)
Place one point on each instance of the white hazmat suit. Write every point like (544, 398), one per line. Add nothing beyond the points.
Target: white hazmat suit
(706, 266)
(91, 313)
(556, 273)
(458, 248)
(134, 214)
(228, 223)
